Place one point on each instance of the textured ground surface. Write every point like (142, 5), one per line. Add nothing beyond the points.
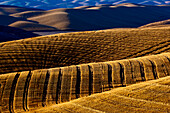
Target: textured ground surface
(82, 47)
(39, 74)
(149, 97)
(30, 90)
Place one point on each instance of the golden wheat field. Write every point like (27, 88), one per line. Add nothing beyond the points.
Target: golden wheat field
(82, 47)
(146, 97)
(32, 90)
(116, 59)
(114, 70)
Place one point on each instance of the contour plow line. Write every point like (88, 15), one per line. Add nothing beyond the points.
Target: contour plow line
(145, 97)
(30, 90)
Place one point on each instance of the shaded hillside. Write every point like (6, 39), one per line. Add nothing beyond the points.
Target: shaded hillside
(82, 47)
(94, 18)
(8, 9)
(7, 20)
(39, 88)
(32, 26)
(165, 23)
(146, 97)
(11, 33)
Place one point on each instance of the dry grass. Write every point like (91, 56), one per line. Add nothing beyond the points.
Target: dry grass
(149, 97)
(67, 68)
(82, 47)
(30, 90)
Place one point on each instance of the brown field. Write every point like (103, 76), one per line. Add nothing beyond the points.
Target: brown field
(82, 47)
(113, 70)
(147, 97)
(30, 90)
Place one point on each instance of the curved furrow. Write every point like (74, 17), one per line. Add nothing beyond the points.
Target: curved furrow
(30, 90)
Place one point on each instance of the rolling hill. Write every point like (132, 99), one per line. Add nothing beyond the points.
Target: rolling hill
(82, 47)
(120, 64)
(51, 4)
(150, 96)
(9, 9)
(165, 23)
(90, 18)
(32, 26)
(73, 67)
(30, 90)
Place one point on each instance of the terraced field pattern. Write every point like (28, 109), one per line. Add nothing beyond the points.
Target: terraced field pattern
(114, 70)
(116, 60)
(82, 47)
(27, 90)
(146, 97)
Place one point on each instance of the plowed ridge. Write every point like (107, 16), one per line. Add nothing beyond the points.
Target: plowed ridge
(147, 97)
(82, 47)
(29, 90)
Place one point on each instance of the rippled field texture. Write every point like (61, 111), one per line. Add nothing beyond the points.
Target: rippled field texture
(112, 67)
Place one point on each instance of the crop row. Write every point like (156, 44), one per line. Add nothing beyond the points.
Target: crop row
(82, 47)
(145, 97)
(27, 90)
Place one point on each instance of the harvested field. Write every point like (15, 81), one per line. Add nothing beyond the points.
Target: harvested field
(30, 90)
(114, 70)
(82, 47)
(147, 97)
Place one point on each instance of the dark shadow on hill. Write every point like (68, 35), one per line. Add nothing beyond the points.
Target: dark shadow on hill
(118, 17)
(88, 18)
(10, 33)
(9, 9)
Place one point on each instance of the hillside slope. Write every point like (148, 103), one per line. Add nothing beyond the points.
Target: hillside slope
(148, 97)
(30, 90)
(8, 9)
(93, 18)
(165, 23)
(82, 47)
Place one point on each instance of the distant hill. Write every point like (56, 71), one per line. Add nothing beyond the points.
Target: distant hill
(52, 4)
(125, 15)
(11, 33)
(165, 23)
(8, 9)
